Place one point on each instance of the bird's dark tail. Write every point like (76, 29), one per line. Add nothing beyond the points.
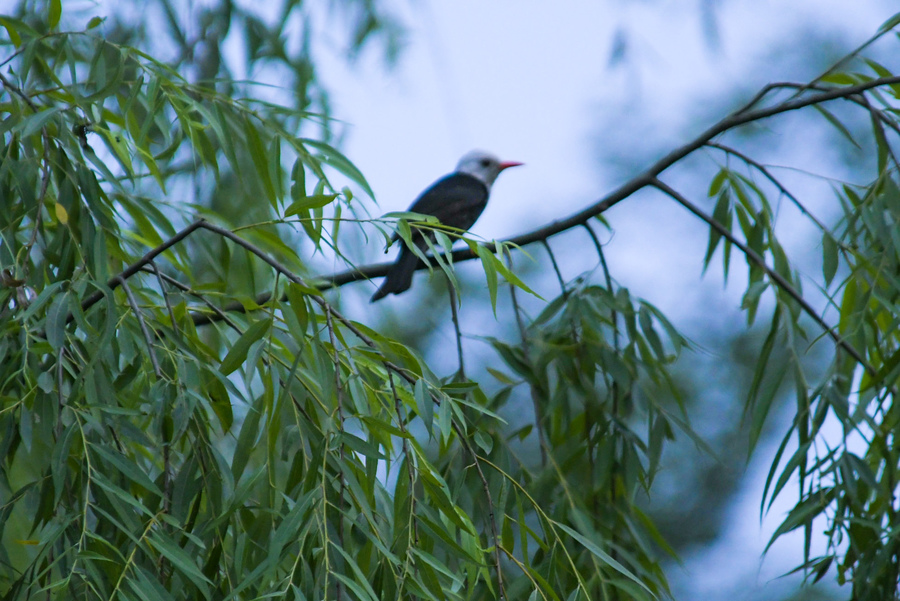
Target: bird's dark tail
(399, 278)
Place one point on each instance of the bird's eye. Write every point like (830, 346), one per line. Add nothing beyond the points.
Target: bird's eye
(485, 162)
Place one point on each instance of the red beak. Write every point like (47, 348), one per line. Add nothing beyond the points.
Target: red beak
(508, 164)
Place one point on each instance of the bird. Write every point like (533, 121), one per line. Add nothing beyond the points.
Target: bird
(457, 200)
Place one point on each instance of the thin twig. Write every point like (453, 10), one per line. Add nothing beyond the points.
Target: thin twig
(135, 267)
(614, 315)
(526, 348)
(45, 167)
(611, 383)
(768, 175)
(60, 398)
(559, 277)
(454, 313)
(492, 519)
(773, 275)
(339, 394)
(220, 314)
(162, 289)
(401, 423)
(146, 332)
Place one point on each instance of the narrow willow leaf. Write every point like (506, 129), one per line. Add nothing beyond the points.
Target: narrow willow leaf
(298, 181)
(358, 445)
(34, 123)
(602, 555)
(247, 439)
(485, 442)
(260, 161)
(881, 143)
(424, 406)
(297, 302)
(489, 262)
(55, 327)
(890, 23)
(803, 513)
(12, 31)
(54, 13)
(127, 468)
(181, 561)
(333, 157)
(715, 186)
(306, 203)
(722, 214)
(834, 121)
(829, 257)
(238, 352)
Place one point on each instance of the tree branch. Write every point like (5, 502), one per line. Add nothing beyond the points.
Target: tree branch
(132, 269)
(649, 177)
(773, 275)
(741, 116)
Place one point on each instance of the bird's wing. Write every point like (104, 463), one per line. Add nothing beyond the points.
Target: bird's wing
(456, 200)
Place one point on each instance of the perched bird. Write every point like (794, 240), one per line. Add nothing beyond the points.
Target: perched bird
(457, 200)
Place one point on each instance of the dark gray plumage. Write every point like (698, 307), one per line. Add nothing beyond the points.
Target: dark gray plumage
(457, 200)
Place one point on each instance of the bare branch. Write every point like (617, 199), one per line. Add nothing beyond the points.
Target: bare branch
(559, 277)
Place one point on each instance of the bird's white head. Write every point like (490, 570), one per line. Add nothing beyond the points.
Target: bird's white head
(483, 166)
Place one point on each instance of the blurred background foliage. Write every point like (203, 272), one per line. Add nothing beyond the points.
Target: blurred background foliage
(153, 446)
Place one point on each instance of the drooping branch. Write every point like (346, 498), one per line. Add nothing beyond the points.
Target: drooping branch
(773, 275)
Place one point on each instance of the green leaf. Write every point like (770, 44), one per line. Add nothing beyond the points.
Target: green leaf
(298, 181)
(357, 444)
(424, 406)
(306, 203)
(715, 186)
(829, 257)
(11, 30)
(804, 513)
(485, 442)
(337, 160)
(238, 352)
(54, 13)
(297, 301)
(834, 121)
(56, 321)
(489, 262)
(127, 468)
(602, 555)
(881, 143)
(890, 23)
(181, 561)
(722, 214)
(33, 123)
(260, 160)
(247, 439)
